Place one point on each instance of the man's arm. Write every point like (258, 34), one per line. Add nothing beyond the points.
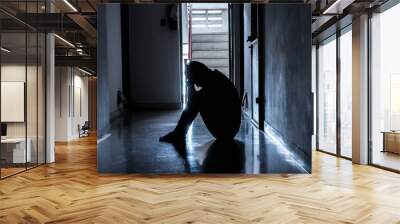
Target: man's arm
(190, 111)
(188, 115)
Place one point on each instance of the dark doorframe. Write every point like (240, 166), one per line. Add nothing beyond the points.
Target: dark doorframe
(232, 40)
(261, 66)
(125, 24)
(254, 39)
(236, 44)
(181, 64)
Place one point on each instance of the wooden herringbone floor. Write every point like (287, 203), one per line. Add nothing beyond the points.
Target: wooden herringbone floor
(71, 191)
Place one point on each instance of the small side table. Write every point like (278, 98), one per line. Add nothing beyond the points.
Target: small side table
(391, 141)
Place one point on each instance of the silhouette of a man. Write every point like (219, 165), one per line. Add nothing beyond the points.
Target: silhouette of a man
(213, 95)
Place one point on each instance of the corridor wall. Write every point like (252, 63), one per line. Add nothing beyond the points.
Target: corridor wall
(288, 75)
(154, 58)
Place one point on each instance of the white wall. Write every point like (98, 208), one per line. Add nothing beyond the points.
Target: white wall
(16, 72)
(61, 103)
(33, 126)
(81, 104)
(70, 83)
(13, 101)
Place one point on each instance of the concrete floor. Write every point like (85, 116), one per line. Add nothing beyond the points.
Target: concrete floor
(133, 147)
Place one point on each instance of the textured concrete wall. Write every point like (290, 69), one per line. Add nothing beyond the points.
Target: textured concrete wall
(288, 75)
(237, 50)
(155, 67)
(114, 53)
(109, 60)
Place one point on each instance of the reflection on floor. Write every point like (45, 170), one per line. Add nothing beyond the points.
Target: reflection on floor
(346, 152)
(134, 148)
(5, 172)
(386, 159)
(12, 169)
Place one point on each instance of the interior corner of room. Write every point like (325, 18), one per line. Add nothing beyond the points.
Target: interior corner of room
(48, 83)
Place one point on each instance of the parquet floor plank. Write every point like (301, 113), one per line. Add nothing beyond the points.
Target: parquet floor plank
(71, 191)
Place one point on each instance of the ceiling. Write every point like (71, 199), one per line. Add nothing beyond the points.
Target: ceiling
(75, 22)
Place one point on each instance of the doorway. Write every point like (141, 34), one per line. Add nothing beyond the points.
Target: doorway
(75, 103)
(253, 80)
(205, 37)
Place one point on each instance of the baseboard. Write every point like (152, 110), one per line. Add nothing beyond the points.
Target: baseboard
(302, 158)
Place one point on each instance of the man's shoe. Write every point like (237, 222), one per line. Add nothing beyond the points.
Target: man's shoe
(172, 137)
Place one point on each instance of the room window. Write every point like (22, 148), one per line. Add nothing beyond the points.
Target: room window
(334, 95)
(385, 89)
(327, 96)
(346, 93)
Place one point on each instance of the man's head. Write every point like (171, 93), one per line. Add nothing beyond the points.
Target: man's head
(197, 73)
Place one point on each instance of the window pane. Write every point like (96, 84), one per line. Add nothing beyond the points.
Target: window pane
(327, 97)
(14, 153)
(31, 97)
(346, 94)
(41, 98)
(385, 93)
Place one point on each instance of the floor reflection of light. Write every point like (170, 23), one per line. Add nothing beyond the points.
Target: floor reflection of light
(283, 149)
(189, 139)
(256, 151)
(189, 146)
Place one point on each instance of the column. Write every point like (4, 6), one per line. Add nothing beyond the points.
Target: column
(360, 90)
